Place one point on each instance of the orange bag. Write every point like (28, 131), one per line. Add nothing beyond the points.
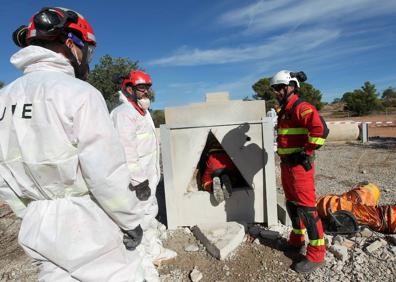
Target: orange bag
(362, 201)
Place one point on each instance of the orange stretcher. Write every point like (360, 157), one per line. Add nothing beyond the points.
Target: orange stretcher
(362, 201)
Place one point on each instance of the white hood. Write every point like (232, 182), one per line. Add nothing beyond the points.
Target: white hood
(34, 58)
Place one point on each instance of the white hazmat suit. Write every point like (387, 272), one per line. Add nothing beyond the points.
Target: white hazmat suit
(63, 170)
(138, 136)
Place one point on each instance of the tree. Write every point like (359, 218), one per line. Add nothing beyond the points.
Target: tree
(362, 101)
(389, 97)
(336, 100)
(158, 117)
(310, 94)
(107, 74)
(307, 92)
(1, 84)
(263, 91)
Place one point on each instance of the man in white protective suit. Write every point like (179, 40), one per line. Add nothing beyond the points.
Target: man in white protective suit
(137, 133)
(62, 166)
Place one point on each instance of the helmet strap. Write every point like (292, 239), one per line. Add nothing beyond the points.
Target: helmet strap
(130, 96)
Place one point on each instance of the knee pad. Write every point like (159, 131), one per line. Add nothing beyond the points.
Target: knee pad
(310, 217)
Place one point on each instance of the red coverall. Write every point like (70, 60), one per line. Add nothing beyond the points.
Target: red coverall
(301, 129)
(217, 159)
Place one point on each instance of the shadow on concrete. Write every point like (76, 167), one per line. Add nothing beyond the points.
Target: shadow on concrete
(249, 159)
(160, 194)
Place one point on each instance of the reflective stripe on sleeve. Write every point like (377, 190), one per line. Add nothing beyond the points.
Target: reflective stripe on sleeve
(304, 113)
(316, 140)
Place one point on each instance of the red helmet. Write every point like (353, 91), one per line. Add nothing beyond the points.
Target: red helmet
(49, 23)
(136, 77)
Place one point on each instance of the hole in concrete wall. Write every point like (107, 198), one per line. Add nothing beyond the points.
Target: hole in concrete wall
(214, 162)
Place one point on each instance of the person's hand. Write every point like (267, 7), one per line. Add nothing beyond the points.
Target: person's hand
(132, 238)
(143, 191)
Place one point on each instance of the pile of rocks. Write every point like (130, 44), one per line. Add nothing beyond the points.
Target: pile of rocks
(364, 256)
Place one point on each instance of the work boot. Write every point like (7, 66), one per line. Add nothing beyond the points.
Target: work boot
(226, 186)
(218, 193)
(306, 266)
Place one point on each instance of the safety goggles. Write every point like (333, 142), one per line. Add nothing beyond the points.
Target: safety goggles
(143, 87)
(81, 44)
(278, 87)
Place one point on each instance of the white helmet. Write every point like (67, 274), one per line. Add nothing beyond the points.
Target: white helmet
(284, 77)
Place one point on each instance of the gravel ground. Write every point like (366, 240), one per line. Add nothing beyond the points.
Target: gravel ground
(338, 168)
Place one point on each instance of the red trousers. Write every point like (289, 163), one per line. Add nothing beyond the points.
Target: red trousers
(299, 188)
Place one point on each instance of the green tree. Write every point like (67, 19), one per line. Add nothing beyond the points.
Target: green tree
(158, 117)
(1, 84)
(263, 91)
(389, 97)
(310, 94)
(362, 101)
(106, 77)
(307, 92)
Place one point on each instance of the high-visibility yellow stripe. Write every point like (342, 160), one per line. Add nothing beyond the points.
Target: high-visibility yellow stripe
(316, 140)
(316, 243)
(304, 113)
(285, 151)
(299, 231)
(292, 131)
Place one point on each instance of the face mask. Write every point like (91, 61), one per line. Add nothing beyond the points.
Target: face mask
(144, 103)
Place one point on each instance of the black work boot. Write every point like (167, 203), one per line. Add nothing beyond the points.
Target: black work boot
(226, 186)
(306, 266)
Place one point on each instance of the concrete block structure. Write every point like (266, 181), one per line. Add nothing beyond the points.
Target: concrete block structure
(245, 134)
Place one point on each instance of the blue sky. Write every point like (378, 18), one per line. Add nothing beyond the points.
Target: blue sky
(194, 47)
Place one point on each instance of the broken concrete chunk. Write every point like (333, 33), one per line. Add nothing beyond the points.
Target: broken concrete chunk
(195, 275)
(364, 232)
(191, 248)
(340, 252)
(375, 245)
(220, 239)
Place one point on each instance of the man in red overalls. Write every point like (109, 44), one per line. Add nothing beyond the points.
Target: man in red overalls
(301, 130)
(219, 169)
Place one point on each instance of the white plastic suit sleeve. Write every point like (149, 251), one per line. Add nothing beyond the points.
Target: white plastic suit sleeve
(103, 163)
(125, 124)
(15, 203)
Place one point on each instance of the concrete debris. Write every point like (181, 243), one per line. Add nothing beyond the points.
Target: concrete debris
(340, 252)
(195, 275)
(187, 230)
(338, 239)
(257, 241)
(348, 244)
(220, 239)
(365, 232)
(191, 248)
(375, 245)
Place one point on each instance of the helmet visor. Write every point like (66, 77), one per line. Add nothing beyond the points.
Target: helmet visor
(143, 87)
(90, 51)
(278, 87)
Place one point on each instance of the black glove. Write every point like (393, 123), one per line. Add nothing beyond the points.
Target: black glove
(304, 161)
(132, 238)
(142, 190)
